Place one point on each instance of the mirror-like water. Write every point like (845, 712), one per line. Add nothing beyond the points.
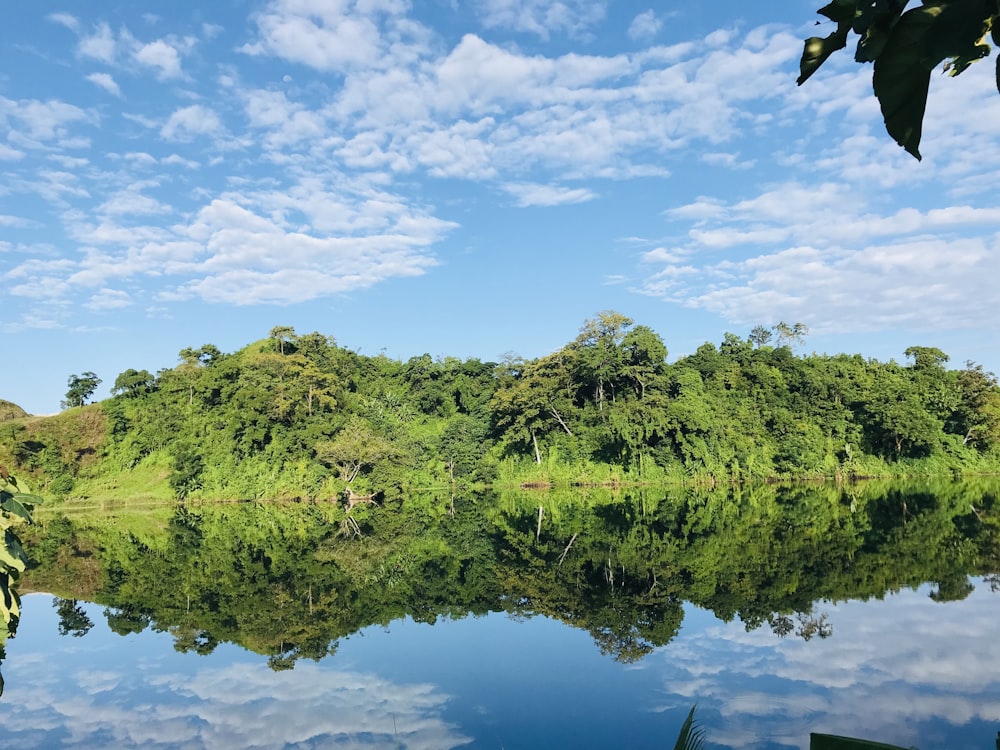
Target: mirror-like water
(866, 612)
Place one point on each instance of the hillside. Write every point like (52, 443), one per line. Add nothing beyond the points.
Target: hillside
(9, 410)
(297, 416)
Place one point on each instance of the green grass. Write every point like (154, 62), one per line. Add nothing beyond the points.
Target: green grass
(147, 483)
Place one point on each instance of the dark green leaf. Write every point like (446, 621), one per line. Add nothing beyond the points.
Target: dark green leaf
(875, 23)
(9, 561)
(15, 548)
(961, 62)
(834, 742)
(956, 30)
(817, 50)
(840, 11)
(12, 505)
(691, 737)
(902, 80)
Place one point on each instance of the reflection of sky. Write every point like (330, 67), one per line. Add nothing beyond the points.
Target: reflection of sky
(905, 670)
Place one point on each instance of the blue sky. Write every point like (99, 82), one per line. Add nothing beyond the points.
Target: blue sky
(469, 179)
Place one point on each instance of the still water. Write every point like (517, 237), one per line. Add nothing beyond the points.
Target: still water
(915, 664)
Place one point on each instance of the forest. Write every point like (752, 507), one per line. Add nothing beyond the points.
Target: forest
(297, 416)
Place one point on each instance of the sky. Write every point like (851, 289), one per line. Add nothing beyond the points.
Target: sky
(469, 179)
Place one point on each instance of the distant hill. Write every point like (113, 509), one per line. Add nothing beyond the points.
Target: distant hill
(9, 410)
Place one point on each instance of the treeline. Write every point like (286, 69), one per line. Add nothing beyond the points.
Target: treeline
(299, 416)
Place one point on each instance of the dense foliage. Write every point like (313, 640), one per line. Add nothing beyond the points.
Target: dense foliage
(297, 416)
(288, 580)
(15, 509)
(905, 46)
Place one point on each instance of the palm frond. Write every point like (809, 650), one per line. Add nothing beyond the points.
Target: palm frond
(691, 737)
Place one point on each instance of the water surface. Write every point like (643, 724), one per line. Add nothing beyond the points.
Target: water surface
(476, 629)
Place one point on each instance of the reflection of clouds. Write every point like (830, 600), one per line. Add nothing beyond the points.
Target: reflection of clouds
(98, 681)
(66, 699)
(890, 667)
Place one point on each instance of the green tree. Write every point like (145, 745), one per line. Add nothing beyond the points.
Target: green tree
(284, 335)
(791, 335)
(134, 383)
(905, 46)
(463, 445)
(207, 354)
(926, 357)
(81, 387)
(73, 620)
(601, 360)
(188, 466)
(644, 358)
(759, 336)
(537, 400)
(977, 414)
(898, 416)
(355, 447)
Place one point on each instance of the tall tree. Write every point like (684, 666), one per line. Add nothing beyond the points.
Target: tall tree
(81, 387)
(283, 335)
(791, 335)
(600, 353)
(538, 400)
(759, 336)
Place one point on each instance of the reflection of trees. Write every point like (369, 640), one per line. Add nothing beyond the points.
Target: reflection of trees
(281, 580)
(72, 619)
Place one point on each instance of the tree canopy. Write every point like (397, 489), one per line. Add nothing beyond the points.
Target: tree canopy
(905, 46)
(308, 418)
(81, 387)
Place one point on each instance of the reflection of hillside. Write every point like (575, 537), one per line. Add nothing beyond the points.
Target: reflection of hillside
(284, 580)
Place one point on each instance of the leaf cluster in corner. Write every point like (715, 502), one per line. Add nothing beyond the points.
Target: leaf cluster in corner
(905, 46)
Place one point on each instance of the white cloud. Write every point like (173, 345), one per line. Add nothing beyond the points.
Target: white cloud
(131, 202)
(106, 82)
(727, 159)
(529, 194)
(161, 56)
(41, 121)
(326, 36)
(295, 243)
(109, 299)
(542, 17)
(644, 26)
(178, 160)
(100, 45)
(920, 284)
(289, 123)
(189, 122)
(140, 158)
(10, 154)
(65, 19)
